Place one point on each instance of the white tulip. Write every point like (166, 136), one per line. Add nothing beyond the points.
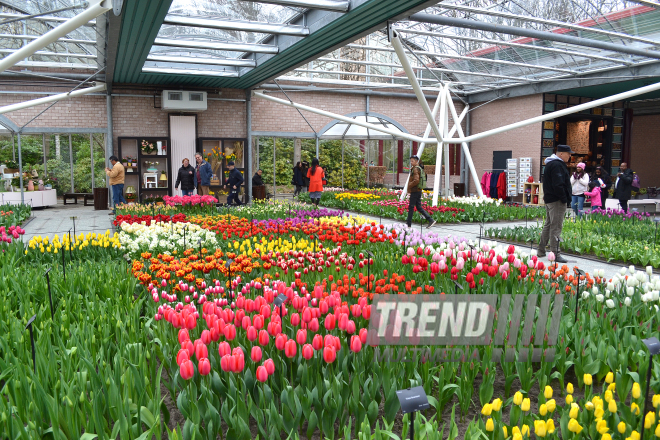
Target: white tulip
(627, 301)
(585, 294)
(656, 308)
(646, 297)
(649, 270)
(630, 291)
(609, 303)
(646, 287)
(609, 287)
(594, 290)
(600, 298)
(640, 276)
(655, 295)
(631, 268)
(624, 270)
(601, 273)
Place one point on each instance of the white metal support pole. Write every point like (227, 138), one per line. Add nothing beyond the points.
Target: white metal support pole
(445, 128)
(13, 148)
(91, 153)
(96, 9)
(274, 178)
(438, 156)
(434, 113)
(51, 98)
(43, 148)
(20, 168)
(466, 150)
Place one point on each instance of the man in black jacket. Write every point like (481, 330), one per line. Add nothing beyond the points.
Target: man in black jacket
(257, 179)
(623, 186)
(234, 183)
(557, 197)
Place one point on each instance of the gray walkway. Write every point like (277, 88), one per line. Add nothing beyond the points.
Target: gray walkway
(57, 220)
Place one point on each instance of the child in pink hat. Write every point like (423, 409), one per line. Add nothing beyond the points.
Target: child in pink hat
(580, 184)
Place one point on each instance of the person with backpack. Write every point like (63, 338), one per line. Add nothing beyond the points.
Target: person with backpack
(416, 185)
(623, 186)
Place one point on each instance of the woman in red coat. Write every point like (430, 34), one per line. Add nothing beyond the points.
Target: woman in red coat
(316, 175)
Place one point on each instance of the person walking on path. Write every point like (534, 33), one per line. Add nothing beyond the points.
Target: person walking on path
(116, 175)
(316, 176)
(557, 197)
(234, 182)
(580, 184)
(203, 175)
(605, 184)
(594, 194)
(305, 169)
(415, 189)
(186, 178)
(623, 186)
(298, 179)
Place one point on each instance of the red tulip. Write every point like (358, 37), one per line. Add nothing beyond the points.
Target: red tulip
(225, 362)
(323, 307)
(187, 345)
(258, 322)
(280, 340)
(350, 327)
(187, 370)
(204, 366)
(252, 334)
(314, 325)
(295, 319)
(366, 312)
(264, 339)
(262, 374)
(256, 354)
(270, 366)
(191, 322)
(308, 351)
(230, 332)
(301, 337)
(206, 337)
(329, 322)
(183, 335)
(182, 356)
(307, 315)
(329, 354)
(356, 344)
(201, 351)
(224, 349)
(245, 323)
(363, 335)
(342, 321)
(290, 348)
(175, 319)
(265, 311)
(317, 342)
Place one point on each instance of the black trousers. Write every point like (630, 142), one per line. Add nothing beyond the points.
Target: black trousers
(416, 203)
(624, 205)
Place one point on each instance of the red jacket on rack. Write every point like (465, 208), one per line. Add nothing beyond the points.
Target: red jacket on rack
(501, 186)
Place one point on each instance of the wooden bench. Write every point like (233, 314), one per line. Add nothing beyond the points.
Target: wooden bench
(86, 198)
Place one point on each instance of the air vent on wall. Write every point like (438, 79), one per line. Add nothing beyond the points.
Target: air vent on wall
(184, 101)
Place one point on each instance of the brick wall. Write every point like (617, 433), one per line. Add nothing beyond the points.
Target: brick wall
(523, 142)
(644, 148)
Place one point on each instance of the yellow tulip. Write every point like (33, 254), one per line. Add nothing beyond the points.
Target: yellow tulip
(547, 392)
(569, 388)
(621, 427)
(490, 426)
(515, 430)
(612, 406)
(634, 435)
(634, 408)
(610, 377)
(649, 420)
(550, 426)
(525, 404)
(657, 430)
(487, 409)
(588, 380)
(574, 426)
(636, 391)
(656, 400)
(599, 412)
(539, 428)
(517, 398)
(606, 437)
(517, 436)
(573, 414)
(543, 410)
(608, 396)
(497, 404)
(601, 426)
(551, 404)
(506, 434)
(569, 399)
(612, 387)
(525, 430)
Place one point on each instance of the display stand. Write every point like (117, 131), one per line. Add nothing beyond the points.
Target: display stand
(215, 151)
(535, 192)
(144, 176)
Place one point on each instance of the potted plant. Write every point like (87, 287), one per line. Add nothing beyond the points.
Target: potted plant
(131, 194)
(148, 147)
(12, 167)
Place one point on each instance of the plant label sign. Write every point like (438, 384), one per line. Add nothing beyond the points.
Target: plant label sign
(281, 299)
(653, 344)
(412, 399)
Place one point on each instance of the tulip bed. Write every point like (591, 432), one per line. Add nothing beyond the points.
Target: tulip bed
(14, 215)
(201, 324)
(451, 210)
(612, 235)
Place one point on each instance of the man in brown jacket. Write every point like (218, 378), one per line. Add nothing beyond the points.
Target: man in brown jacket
(116, 175)
(416, 193)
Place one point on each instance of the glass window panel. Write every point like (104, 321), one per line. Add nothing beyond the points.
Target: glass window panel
(548, 134)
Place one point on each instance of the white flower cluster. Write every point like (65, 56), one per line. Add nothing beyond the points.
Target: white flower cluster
(163, 237)
(474, 200)
(640, 281)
